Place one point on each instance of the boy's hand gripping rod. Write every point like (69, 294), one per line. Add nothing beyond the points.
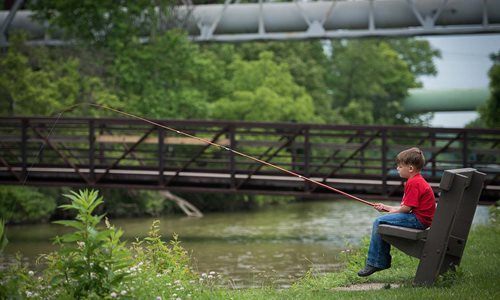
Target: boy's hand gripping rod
(233, 151)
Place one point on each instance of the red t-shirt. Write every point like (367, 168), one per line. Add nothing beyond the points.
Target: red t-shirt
(419, 195)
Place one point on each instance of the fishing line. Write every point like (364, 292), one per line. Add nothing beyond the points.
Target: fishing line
(213, 144)
(235, 152)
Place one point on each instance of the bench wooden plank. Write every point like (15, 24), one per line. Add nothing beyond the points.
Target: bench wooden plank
(402, 232)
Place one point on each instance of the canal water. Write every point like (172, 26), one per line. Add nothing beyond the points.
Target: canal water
(270, 246)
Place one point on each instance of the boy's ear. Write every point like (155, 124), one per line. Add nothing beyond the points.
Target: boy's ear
(411, 168)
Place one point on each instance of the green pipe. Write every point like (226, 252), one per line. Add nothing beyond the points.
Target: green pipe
(421, 100)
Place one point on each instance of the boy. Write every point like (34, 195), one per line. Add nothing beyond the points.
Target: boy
(416, 210)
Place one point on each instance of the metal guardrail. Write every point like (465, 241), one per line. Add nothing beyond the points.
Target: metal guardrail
(127, 153)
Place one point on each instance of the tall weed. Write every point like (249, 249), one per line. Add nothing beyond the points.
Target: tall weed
(91, 260)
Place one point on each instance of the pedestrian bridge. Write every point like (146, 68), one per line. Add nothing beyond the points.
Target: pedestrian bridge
(130, 153)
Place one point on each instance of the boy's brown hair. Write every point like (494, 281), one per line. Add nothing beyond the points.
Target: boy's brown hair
(411, 157)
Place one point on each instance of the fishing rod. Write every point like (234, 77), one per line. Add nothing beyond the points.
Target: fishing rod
(227, 149)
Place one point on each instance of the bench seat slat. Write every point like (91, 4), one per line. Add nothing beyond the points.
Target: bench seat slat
(402, 232)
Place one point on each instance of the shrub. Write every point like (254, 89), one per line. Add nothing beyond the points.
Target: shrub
(160, 270)
(23, 204)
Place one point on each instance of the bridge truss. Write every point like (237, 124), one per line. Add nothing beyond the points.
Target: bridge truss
(125, 153)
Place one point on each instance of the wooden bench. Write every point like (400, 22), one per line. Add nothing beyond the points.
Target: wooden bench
(441, 246)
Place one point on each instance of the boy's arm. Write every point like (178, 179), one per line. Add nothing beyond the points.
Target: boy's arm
(392, 209)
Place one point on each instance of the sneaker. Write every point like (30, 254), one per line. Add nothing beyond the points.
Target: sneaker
(368, 270)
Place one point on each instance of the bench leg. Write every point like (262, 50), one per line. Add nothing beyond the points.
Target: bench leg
(429, 267)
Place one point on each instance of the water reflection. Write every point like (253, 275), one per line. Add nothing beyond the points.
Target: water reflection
(272, 246)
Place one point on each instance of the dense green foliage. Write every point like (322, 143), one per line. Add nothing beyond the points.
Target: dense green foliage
(263, 90)
(114, 25)
(347, 81)
(42, 81)
(18, 204)
(371, 78)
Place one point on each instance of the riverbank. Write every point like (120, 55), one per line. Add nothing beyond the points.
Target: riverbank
(100, 266)
(277, 244)
(476, 278)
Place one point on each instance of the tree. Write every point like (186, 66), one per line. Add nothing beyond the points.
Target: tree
(153, 69)
(39, 81)
(166, 78)
(371, 76)
(109, 24)
(490, 111)
(262, 90)
(418, 55)
(307, 62)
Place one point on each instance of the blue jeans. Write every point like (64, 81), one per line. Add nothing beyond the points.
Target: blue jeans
(379, 253)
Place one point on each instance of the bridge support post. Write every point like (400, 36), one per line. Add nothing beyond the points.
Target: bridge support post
(161, 158)
(232, 162)
(24, 146)
(307, 158)
(91, 154)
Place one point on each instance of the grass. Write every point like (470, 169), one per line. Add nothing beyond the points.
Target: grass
(478, 276)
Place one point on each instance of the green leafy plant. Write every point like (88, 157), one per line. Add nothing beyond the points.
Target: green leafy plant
(160, 269)
(92, 260)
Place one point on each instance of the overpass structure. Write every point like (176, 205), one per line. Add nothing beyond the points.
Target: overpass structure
(267, 20)
(129, 153)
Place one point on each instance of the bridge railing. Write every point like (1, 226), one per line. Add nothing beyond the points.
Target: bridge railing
(132, 153)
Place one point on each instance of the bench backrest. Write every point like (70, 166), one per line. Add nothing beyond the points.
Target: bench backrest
(443, 249)
(463, 218)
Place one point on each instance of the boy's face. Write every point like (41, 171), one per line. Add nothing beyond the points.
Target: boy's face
(405, 171)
